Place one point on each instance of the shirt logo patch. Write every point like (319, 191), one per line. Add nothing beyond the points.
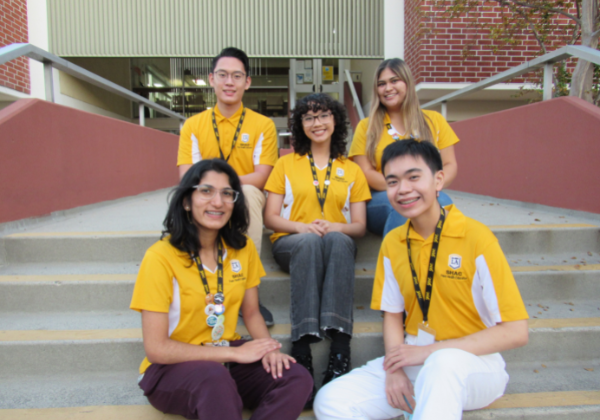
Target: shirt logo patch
(339, 172)
(236, 266)
(245, 137)
(454, 261)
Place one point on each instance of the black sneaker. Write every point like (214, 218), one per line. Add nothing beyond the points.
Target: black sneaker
(306, 361)
(266, 314)
(339, 365)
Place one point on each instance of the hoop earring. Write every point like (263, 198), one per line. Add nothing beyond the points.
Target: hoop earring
(187, 213)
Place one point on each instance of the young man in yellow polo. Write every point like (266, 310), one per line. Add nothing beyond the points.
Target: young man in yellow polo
(463, 307)
(236, 134)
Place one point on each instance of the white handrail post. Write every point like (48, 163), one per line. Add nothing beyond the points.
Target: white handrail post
(142, 116)
(49, 81)
(445, 109)
(357, 104)
(547, 81)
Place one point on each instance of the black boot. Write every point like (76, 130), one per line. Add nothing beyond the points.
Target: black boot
(339, 364)
(306, 361)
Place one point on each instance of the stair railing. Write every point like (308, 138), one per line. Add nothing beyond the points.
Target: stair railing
(355, 99)
(50, 61)
(546, 61)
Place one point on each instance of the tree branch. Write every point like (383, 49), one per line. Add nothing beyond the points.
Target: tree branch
(538, 7)
(533, 30)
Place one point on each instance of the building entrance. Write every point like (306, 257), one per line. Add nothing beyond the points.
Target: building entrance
(317, 75)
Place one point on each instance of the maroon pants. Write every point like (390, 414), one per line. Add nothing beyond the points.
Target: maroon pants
(207, 390)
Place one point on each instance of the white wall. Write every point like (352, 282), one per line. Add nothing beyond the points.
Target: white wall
(393, 29)
(37, 27)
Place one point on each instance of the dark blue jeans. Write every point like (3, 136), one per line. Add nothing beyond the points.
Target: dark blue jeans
(381, 216)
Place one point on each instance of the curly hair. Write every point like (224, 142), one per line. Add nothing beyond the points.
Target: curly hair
(183, 235)
(320, 102)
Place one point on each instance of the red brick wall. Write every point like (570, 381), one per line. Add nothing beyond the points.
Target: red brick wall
(454, 51)
(13, 29)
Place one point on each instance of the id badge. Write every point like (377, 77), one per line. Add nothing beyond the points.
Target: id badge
(425, 336)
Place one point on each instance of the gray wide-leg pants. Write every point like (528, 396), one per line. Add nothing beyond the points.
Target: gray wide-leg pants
(322, 281)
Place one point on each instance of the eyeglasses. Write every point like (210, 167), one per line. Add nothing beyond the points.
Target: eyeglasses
(309, 120)
(236, 76)
(208, 192)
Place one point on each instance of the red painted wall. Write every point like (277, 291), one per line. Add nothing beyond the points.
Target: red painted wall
(13, 29)
(55, 158)
(545, 153)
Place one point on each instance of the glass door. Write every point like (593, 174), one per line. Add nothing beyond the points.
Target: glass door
(314, 75)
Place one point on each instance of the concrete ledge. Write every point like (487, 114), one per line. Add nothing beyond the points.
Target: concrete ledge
(551, 405)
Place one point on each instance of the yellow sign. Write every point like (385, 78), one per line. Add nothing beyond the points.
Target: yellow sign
(328, 73)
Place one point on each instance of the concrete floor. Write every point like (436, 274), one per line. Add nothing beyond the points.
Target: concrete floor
(145, 212)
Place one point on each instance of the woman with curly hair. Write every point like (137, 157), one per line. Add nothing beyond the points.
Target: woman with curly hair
(316, 205)
(190, 288)
(396, 115)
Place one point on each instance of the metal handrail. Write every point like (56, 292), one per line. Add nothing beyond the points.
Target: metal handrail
(355, 99)
(546, 61)
(13, 51)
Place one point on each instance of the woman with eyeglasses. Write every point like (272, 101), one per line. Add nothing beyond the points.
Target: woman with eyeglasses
(190, 287)
(316, 206)
(396, 115)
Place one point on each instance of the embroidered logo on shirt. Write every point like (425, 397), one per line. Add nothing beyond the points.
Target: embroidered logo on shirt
(236, 266)
(245, 137)
(454, 261)
(339, 172)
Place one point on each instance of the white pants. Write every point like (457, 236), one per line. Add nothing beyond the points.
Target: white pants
(449, 382)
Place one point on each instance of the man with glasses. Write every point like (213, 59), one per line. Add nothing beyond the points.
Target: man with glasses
(236, 134)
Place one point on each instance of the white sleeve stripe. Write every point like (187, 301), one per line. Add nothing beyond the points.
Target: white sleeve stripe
(391, 298)
(196, 156)
(174, 308)
(288, 200)
(258, 149)
(484, 294)
(346, 209)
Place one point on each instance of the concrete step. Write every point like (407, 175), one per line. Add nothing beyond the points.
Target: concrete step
(129, 246)
(26, 352)
(90, 396)
(99, 319)
(104, 292)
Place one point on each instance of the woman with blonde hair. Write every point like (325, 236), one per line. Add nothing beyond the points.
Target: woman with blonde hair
(396, 115)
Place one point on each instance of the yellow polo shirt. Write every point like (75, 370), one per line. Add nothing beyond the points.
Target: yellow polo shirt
(256, 143)
(293, 178)
(169, 282)
(473, 286)
(443, 136)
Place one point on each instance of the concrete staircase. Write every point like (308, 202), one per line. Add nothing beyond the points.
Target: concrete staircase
(70, 347)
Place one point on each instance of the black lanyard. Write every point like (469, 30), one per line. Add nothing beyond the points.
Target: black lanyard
(397, 136)
(320, 195)
(426, 300)
(219, 270)
(235, 137)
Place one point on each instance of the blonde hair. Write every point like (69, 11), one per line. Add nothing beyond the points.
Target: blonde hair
(414, 118)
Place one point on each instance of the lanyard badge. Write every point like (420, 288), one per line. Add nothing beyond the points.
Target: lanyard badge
(235, 137)
(320, 195)
(396, 137)
(215, 308)
(426, 335)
